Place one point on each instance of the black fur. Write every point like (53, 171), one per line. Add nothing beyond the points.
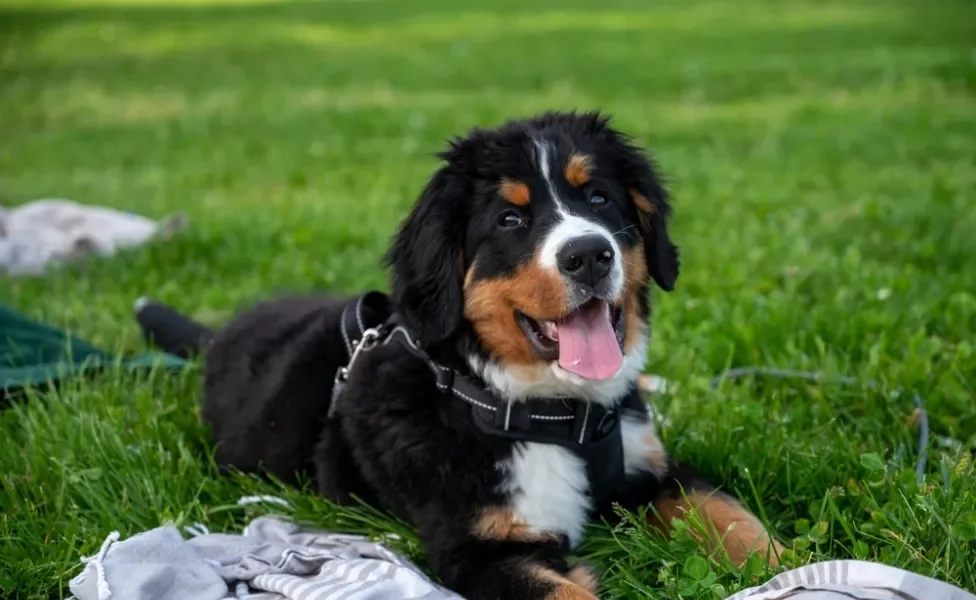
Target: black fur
(396, 441)
(425, 259)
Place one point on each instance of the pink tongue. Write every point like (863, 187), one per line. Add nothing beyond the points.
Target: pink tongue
(587, 343)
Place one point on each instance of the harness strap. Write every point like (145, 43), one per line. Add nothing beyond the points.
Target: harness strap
(590, 430)
(372, 311)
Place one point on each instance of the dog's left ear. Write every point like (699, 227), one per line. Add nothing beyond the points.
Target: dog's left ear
(638, 174)
(659, 251)
(426, 260)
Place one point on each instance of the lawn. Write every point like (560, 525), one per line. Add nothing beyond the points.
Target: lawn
(822, 156)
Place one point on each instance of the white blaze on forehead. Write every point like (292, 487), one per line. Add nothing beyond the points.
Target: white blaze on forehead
(569, 226)
(542, 157)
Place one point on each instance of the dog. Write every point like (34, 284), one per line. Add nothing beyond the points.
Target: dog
(495, 406)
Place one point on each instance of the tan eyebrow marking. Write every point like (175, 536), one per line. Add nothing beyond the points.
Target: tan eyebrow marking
(514, 191)
(578, 169)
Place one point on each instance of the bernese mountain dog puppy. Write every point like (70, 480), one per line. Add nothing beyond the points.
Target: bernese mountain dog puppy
(523, 270)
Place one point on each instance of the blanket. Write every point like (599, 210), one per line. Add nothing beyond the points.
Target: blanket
(279, 560)
(35, 354)
(852, 580)
(47, 232)
(272, 560)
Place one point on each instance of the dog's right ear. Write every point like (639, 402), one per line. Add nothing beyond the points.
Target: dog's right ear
(426, 259)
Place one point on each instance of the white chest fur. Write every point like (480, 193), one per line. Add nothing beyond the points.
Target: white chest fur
(549, 486)
(549, 489)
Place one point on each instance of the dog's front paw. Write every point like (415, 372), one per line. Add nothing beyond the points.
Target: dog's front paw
(570, 591)
(579, 584)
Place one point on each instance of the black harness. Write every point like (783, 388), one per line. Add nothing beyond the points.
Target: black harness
(590, 430)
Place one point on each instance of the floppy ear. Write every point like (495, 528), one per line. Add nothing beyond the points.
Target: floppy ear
(636, 171)
(638, 174)
(661, 254)
(426, 260)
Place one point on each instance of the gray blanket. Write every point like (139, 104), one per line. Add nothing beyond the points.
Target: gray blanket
(273, 560)
(277, 560)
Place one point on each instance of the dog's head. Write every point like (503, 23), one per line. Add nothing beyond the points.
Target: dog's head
(532, 249)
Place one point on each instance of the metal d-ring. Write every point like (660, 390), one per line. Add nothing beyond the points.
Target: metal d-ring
(364, 344)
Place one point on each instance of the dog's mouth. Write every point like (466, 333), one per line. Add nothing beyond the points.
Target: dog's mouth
(587, 342)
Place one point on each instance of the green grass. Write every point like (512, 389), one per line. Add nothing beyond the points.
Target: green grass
(823, 161)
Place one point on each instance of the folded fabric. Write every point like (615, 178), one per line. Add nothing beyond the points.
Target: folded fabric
(36, 354)
(272, 560)
(279, 560)
(852, 580)
(46, 232)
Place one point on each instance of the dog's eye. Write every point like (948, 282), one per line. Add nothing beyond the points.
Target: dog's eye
(597, 199)
(510, 219)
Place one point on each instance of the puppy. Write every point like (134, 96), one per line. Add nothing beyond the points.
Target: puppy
(520, 288)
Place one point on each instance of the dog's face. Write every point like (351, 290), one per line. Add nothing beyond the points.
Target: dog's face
(539, 239)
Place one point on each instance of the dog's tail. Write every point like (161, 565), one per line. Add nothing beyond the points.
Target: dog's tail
(170, 330)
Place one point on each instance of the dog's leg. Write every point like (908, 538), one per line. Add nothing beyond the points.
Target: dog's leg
(336, 473)
(474, 542)
(728, 523)
(676, 492)
(497, 557)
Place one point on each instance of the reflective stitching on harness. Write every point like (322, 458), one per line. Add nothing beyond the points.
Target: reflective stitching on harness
(359, 314)
(406, 336)
(467, 398)
(586, 417)
(399, 329)
(471, 400)
(345, 334)
(603, 456)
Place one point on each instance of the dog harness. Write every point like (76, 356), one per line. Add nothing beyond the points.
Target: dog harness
(590, 430)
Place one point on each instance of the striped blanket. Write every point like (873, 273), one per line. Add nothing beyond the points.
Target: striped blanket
(272, 560)
(277, 560)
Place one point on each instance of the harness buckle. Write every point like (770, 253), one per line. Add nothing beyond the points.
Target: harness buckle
(365, 344)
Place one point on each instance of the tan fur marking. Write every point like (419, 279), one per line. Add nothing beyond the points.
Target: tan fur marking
(498, 523)
(635, 278)
(643, 204)
(515, 192)
(584, 577)
(720, 511)
(578, 170)
(563, 588)
(645, 210)
(490, 305)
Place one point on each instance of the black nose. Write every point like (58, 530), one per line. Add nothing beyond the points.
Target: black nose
(586, 259)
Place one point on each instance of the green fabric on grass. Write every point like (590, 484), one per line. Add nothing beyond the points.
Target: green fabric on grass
(36, 354)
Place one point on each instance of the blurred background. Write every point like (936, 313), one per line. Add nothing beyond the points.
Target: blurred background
(296, 134)
(821, 153)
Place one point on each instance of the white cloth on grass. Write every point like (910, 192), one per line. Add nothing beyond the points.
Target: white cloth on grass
(852, 580)
(42, 233)
(278, 560)
(272, 560)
